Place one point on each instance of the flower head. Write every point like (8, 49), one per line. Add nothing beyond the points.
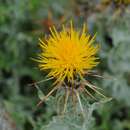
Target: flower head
(67, 53)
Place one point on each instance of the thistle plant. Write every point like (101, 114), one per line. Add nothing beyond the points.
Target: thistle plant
(68, 57)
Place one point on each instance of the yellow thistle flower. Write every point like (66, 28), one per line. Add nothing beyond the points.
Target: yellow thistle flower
(68, 53)
(67, 56)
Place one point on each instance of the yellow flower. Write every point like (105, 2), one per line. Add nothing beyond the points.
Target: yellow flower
(67, 53)
(67, 56)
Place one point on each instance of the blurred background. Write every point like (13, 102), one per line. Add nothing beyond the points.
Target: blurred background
(22, 22)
